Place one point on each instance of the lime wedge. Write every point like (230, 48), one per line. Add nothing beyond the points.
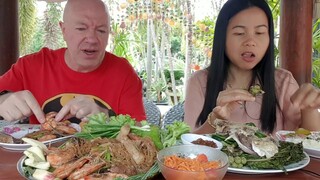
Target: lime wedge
(302, 131)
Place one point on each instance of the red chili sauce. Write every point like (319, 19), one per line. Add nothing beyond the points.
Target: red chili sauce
(205, 143)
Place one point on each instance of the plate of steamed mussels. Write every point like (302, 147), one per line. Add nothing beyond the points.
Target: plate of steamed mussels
(251, 151)
(48, 132)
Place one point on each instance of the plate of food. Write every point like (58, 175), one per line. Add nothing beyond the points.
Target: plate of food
(100, 157)
(251, 151)
(103, 147)
(48, 132)
(12, 141)
(309, 139)
(291, 167)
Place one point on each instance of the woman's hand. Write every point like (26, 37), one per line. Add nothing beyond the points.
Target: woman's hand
(230, 99)
(79, 107)
(306, 97)
(19, 105)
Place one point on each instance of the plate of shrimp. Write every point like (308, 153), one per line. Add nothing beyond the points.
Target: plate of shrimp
(48, 132)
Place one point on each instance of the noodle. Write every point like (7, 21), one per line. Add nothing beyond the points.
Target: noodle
(188, 164)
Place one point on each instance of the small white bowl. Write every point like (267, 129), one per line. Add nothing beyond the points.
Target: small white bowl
(189, 137)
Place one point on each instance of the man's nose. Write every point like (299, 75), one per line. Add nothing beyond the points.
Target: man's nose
(91, 36)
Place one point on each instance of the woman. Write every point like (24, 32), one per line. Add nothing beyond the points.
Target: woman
(243, 56)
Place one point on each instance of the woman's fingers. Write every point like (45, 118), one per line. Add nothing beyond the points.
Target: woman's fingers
(306, 96)
(234, 95)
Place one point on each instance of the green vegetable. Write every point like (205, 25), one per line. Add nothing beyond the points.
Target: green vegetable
(33, 142)
(37, 165)
(35, 153)
(250, 124)
(100, 126)
(256, 90)
(173, 132)
(153, 133)
(288, 153)
(260, 134)
(99, 118)
(149, 174)
(222, 139)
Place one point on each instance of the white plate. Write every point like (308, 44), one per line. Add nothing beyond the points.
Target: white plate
(189, 137)
(292, 167)
(20, 130)
(313, 152)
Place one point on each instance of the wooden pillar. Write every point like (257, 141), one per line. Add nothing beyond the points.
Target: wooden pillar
(296, 38)
(9, 34)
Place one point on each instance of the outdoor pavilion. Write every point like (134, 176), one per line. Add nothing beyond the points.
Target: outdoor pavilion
(295, 36)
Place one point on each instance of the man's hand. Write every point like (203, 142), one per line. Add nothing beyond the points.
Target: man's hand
(19, 105)
(80, 107)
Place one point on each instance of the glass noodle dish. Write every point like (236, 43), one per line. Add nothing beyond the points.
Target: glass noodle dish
(103, 148)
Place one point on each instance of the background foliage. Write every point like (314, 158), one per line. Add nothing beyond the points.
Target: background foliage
(153, 35)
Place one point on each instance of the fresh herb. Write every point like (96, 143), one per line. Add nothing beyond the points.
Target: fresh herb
(28, 171)
(154, 170)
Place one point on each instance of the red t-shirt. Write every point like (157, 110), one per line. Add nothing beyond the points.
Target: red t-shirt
(114, 84)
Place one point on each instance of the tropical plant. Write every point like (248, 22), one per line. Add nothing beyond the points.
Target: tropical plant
(52, 34)
(120, 38)
(47, 32)
(316, 54)
(157, 91)
(316, 72)
(37, 40)
(27, 24)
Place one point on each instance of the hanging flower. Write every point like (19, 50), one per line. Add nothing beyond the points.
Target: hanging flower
(123, 5)
(132, 17)
(195, 67)
(144, 16)
(171, 22)
(202, 27)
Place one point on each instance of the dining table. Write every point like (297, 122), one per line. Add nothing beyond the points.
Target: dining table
(9, 159)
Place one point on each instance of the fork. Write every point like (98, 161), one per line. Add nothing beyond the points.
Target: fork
(56, 131)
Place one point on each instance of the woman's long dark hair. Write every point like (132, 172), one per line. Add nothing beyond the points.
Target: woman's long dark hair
(263, 71)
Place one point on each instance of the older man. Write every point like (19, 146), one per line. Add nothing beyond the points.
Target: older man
(76, 81)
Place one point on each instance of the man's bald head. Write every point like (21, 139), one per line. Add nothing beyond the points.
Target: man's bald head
(85, 28)
(79, 5)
